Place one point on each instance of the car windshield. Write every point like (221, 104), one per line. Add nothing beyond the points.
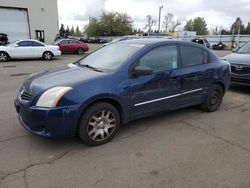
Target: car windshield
(245, 48)
(111, 57)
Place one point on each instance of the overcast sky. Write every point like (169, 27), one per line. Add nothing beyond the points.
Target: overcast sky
(216, 12)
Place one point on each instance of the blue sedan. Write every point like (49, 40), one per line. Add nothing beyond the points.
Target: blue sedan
(240, 65)
(119, 83)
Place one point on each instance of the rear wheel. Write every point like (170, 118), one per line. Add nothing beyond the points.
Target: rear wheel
(213, 98)
(3, 56)
(80, 51)
(99, 124)
(47, 56)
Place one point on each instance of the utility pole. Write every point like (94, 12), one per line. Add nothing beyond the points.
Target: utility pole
(159, 24)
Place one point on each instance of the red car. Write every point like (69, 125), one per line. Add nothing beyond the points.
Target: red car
(72, 46)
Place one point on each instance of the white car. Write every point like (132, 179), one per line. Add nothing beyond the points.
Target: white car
(28, 49)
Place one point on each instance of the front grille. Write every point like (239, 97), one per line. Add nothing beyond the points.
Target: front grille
(240, 80)
(24, 95)
(240, 69)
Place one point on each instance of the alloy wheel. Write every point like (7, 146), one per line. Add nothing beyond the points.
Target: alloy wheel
(3, 57)
(101, 125)
(47, 56)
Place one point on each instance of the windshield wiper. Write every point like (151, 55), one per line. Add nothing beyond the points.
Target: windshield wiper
(90, 67)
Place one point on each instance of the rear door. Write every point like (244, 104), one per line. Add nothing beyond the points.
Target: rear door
(73, 45)
(196, 73)
(38, 49)
(161, 90)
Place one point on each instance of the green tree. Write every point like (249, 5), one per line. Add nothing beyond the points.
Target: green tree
(67, 32)
(198, 24)
(62, 31)
(189, 25)
(72, 31)
(247, 29)
(236, 26)
(110, 24)
(78, 33)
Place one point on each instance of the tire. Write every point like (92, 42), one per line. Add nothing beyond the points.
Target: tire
(47, 56)
(213, 98)
(3, 56)
(80, 51)
(99, 124)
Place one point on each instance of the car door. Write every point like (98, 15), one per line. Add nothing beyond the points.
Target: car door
(38, 49)
(64, 45)
(74, 45)
(160, 90)
(196, 73)
(22, 49)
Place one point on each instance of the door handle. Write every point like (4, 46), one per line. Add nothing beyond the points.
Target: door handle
(175, 78)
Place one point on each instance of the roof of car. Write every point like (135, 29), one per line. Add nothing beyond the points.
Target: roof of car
(151, 41)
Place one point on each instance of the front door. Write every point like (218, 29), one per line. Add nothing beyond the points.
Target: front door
(161, 90)
(23, 49)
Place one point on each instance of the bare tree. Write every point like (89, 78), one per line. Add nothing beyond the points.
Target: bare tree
(150, 23)
(168, 21)
(175, 24)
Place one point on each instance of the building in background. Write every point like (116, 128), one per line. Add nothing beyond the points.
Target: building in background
(24, 19)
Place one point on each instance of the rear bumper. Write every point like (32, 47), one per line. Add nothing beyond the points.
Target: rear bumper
(48, 122)
(57, 53)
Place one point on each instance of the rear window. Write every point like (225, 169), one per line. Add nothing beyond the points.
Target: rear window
(191, 56)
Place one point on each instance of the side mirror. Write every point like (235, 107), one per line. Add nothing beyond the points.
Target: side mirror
(235, 49)
(142, 70)
(15, 45)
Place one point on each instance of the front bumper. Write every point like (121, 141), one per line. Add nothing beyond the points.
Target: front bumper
(48, 122)
(240, 79)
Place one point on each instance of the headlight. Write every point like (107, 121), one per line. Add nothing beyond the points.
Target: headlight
(51, 97)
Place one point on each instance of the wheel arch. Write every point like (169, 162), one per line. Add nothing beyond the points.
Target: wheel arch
(47, 50)
(222, 85)
(111, 101)
(6, 53)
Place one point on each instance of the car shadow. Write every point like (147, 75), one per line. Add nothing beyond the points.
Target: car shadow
(240, 89)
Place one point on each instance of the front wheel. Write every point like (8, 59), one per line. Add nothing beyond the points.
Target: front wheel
(47, 56)
(3, 57)
(99, 124)
(213, 98)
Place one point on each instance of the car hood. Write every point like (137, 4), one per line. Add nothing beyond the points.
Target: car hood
(238, 58)
(2, 47)
(68, 75)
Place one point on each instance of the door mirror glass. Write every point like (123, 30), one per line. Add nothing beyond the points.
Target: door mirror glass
(142, 70)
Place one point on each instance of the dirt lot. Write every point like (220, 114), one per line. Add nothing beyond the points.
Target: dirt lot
(184, 148)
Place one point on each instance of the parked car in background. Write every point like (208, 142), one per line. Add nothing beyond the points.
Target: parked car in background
(28, 49)
(201, 41)
(240, 65)
(93, 40)
(219, 46)
(72, 46)
(119, 83)
(3, 39)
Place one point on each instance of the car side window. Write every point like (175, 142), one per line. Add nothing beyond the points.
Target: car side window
(191, 56)
(25, 44)
(160, 59)
(73, 42)
(63, 42)
(37, 44)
